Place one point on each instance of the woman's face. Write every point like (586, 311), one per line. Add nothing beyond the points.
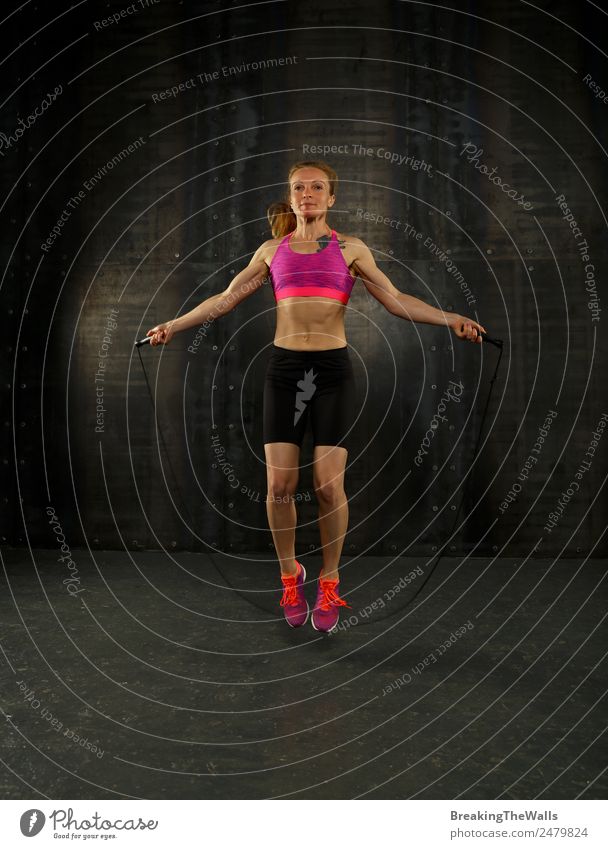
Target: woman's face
(309, 192)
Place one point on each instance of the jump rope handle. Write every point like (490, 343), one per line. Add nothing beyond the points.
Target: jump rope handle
(497, 342)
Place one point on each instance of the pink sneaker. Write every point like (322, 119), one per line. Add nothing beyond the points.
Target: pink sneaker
(326, 612)
(294, 603)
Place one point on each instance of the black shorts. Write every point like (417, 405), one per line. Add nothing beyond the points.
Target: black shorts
(319, 385)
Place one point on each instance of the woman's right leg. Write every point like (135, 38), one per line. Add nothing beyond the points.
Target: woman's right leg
(283, 466)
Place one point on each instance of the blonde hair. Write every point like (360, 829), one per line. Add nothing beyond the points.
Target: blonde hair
(280, 215)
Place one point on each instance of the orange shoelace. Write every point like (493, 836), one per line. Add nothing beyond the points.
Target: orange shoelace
(290, 593)
(330, 596)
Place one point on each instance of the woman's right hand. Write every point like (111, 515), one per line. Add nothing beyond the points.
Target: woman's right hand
(161, 334)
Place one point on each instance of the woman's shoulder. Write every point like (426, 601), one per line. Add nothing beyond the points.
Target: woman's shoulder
(269, 248)
(350, 245)
(348, 239)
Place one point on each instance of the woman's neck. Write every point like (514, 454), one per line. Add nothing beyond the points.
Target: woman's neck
(311, 231)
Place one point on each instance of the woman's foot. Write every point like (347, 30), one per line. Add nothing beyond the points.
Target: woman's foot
(326, 612)
(294, 604)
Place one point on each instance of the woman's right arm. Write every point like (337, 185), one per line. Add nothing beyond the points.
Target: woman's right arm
(242, 286)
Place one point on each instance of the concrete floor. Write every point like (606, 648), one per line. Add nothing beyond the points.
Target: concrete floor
(150, 678)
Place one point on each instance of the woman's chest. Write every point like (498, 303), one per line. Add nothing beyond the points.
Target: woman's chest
(341, 251)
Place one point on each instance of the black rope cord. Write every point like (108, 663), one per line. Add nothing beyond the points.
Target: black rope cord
(437, 557)
(179, 491)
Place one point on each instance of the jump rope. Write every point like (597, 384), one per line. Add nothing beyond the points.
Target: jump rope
(498, 343)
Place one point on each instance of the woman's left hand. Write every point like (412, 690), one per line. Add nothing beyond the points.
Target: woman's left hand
(466, 328)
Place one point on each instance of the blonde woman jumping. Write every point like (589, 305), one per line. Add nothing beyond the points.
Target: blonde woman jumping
(309, 374)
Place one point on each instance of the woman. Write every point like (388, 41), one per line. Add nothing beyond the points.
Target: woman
(309, 374)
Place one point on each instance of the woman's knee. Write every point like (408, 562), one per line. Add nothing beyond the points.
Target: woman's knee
(330, 491)
(281, 487)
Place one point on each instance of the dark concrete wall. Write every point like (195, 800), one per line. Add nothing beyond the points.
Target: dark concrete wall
(181, 212)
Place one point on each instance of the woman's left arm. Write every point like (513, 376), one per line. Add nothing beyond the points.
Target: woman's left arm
(407, 306)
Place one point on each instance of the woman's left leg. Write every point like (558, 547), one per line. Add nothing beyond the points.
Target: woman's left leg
(329, 463)
(332, 412)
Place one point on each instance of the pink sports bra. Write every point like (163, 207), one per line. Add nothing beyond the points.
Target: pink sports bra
(323, 273)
